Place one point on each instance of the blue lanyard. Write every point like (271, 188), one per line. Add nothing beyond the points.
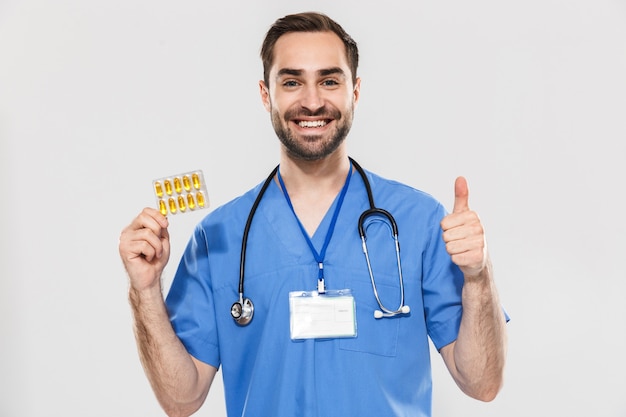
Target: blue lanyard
(319, 257)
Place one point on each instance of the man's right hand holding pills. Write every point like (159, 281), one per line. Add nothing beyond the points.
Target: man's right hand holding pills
(145, 249)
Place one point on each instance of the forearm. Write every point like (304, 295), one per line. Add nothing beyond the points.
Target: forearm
(170, 369)
(480, 349)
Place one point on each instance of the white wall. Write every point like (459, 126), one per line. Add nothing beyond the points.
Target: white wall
(526, 99)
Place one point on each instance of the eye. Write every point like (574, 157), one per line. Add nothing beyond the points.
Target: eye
(290, 84)
(330, 83)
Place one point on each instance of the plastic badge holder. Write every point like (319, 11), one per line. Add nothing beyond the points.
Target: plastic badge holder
(181, 193)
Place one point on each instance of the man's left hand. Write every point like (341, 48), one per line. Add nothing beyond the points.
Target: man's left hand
(464, 234)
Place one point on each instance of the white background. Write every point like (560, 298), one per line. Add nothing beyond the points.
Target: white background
(526, 99)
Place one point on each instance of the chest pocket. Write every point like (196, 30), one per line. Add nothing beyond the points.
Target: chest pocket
(375, 336)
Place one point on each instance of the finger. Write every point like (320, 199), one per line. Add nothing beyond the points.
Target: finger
(154, 240)
(142, 249)
(461, 225)
(155, 215)
(456, 220)
(165, 244)
(137, 243)
(151, 219)
(469, 244)
(461, 195)
(149, 227)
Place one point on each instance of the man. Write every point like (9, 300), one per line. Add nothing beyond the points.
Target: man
(303, 248)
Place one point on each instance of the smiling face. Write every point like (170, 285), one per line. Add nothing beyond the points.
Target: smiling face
(311, 96)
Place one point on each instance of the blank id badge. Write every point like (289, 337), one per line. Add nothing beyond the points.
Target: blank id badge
(322, 316)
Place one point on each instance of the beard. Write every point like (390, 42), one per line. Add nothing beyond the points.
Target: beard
(312, 147)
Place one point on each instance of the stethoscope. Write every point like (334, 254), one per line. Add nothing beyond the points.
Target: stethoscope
(242, 310)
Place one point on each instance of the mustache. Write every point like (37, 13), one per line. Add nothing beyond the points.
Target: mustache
(322, 112)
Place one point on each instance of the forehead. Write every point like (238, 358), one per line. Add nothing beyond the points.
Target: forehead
(309, 51)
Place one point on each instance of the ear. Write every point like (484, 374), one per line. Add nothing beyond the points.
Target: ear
(265, 95)
(357, 90)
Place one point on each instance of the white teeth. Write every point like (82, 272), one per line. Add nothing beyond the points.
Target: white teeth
(316, 123)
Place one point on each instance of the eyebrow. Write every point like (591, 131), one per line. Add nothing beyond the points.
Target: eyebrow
(298, 72)
(332, 71)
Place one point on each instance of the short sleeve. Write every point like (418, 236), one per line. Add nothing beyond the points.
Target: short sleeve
(190, 302)
(442, 287)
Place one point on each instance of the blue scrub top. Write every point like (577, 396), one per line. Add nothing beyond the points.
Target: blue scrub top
(385, 370)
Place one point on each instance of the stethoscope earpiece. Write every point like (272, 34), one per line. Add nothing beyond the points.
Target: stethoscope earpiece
(402, 310)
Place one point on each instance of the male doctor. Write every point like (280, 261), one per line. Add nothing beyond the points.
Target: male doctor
(304, 239)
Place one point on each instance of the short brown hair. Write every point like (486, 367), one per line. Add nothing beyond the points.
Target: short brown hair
(306, 22)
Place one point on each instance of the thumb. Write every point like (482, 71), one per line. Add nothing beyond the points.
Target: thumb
(461, 195)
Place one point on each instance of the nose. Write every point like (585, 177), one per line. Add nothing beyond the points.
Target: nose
(312, 98)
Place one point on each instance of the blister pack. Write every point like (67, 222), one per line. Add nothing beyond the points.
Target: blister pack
(181, 193)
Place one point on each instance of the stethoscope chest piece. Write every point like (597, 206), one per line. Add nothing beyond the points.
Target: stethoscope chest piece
(242, 311)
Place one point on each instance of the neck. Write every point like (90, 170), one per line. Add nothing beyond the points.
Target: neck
(313, 186)
(313, 177)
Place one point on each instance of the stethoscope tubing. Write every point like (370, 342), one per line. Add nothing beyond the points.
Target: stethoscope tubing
(246, 230)
(374, 212)
(244, 306)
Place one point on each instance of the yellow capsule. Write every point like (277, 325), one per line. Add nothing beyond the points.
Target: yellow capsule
(168, 187)
(172, 204)
(162, 207)
(181, 203)
(191, 202)
(186, 183)
(158, 189)
(196, 181)
(178, 186)
(200, 199)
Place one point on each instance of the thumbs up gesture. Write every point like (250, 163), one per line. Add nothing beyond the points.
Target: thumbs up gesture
(464, 235)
